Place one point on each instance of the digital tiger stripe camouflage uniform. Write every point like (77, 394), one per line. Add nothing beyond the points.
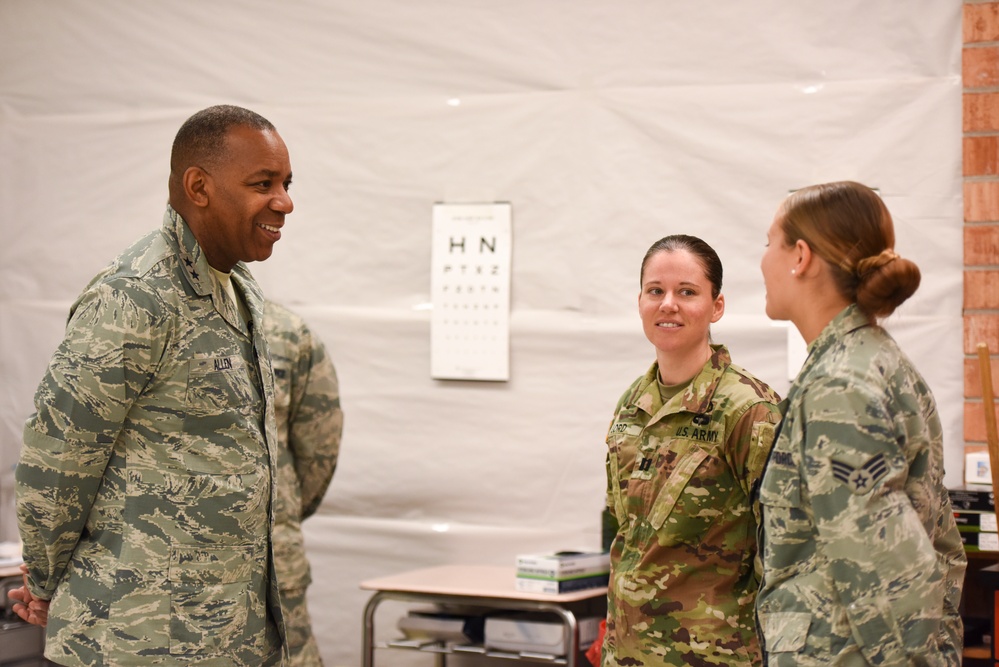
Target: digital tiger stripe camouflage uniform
(862, 560)
(309, 426)
(144, 484)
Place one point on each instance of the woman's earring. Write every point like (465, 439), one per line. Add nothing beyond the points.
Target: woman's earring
(794, 271)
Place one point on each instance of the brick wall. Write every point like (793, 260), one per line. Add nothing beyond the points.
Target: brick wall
(980, 74)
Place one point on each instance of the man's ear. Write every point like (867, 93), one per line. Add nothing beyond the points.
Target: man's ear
(196, 186)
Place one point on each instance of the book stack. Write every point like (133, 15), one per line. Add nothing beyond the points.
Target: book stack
(975, 514)
(562, 571)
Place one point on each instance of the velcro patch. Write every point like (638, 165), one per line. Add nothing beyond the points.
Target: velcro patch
(861, 479)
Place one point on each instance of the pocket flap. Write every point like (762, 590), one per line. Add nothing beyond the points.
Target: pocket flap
(675, 484)
(213, 565)
(785, 631)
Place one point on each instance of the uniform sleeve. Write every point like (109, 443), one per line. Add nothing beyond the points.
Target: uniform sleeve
(81, 403)
(750, 443)
(955, 562)
(613, 498)
(882, 562)
(316, 421)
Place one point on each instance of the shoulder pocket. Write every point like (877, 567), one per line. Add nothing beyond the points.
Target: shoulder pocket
(781, 485)
(762, 441)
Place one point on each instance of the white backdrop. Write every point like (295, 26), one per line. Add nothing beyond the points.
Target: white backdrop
(606, 124)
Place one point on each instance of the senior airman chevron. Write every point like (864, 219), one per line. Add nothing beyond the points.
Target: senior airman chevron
(861, 479)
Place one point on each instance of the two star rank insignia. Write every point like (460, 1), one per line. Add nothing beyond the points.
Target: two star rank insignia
(861, 479)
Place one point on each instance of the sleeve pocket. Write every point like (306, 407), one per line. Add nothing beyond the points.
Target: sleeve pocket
(781, 486)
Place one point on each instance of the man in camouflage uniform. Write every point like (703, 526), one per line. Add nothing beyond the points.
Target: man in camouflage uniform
(309, 424)
(863, 563)
(680, 475)
(144, 484)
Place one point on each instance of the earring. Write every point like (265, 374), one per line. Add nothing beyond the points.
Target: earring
(794, 271)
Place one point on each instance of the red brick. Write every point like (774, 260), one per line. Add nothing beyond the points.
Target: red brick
(980, 67)
(981, 22)
(981, 201)
(981, 112)
(981, 156)
(974, 422)
(981, 290)
(981, 245)
(981, 328)
(972, 375)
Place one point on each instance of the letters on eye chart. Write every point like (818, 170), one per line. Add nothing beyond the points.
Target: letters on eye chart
(470, 290)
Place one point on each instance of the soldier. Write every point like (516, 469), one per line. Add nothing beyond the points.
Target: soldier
(686, 445)
(144, 484)
(309, 424)
(862, 561)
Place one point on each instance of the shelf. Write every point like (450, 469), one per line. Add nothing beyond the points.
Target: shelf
(979, 652)
(431, 646)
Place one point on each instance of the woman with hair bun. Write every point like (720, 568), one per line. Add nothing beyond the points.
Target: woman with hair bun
(862, 560)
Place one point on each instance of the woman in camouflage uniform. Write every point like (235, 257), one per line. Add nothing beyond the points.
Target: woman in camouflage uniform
(862, 561)
(688, 441)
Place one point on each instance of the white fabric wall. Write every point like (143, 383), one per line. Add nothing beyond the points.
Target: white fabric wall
(606, 124)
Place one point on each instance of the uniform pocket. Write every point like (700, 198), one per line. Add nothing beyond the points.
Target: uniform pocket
(216, 384)
(785, 631)
(210, 597)
(686, 465)
(876, 631)
(219, 404)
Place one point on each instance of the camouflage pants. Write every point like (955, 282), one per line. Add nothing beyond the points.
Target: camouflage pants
(304, 651)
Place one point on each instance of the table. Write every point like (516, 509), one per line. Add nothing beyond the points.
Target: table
(475, 585)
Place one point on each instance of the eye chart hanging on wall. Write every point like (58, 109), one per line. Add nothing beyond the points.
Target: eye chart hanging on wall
(470, 290)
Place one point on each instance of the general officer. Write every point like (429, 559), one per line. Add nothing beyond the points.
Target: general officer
(687, 443)
(144, 484)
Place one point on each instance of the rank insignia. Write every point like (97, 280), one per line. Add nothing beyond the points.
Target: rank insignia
(861, 479)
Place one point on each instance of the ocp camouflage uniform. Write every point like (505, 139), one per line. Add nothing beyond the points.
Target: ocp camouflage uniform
(679, 481)
(144, 484)
(862, 560)
(309, 424)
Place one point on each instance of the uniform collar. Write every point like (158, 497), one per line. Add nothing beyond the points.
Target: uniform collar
(847, 321)
(196, 269)
(695, 398)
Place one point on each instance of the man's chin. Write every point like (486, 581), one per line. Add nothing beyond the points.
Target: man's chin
(262, 254)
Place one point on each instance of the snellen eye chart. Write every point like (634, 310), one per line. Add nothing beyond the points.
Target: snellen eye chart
(470, 290)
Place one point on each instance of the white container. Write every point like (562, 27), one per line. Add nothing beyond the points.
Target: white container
(977, 469)
(535, 633)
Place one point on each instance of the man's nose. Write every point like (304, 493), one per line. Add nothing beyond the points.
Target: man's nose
(283, 203)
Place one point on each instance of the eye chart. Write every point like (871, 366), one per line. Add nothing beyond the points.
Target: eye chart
(470, 290)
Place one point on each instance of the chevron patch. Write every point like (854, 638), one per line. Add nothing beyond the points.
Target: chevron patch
(862, 479)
